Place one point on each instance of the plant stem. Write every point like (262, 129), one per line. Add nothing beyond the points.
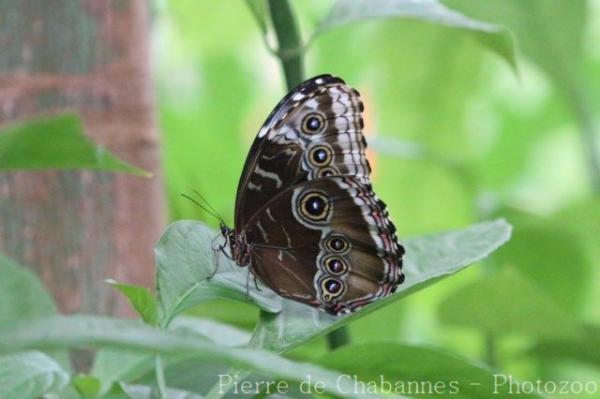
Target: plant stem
(292, 61)
(160, 377)
(289, 42)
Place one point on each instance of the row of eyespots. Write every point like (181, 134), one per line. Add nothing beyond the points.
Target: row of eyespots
(337, 266)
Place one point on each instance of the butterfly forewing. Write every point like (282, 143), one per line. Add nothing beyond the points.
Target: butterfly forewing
(315, 131)
(306, 216)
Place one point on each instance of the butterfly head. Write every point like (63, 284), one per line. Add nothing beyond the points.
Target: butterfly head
(237, 245)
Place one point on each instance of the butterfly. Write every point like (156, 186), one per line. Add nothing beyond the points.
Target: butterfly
(307, 222)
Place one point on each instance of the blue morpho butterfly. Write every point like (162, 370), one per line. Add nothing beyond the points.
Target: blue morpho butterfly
(307, 222)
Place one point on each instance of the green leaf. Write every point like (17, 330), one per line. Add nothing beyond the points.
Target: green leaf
(345, 12)
(88, 386)
(57, 142)
(584, 349)
(507, 303)
(186, 277)
(189, 373)
(416, 371)
(141, 299)
(111, 366)
(120, 365)
(95, 331)
(559, 52)
(30, 375)
(540, 250)
(219, 333)
(22, 296)
(428, 259)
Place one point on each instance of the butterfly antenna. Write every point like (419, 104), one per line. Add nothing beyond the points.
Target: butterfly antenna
(208, 205)
(210, 211)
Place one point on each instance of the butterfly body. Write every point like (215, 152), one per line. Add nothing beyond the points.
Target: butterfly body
(307, 222)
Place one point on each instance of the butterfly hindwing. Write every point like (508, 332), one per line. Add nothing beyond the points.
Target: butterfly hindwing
(336, 249)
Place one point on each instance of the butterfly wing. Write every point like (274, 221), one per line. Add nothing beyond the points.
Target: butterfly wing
(328, 243)
(316, 130)
(309, 156)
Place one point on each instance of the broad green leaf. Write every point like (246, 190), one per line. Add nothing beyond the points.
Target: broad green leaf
(507, 303)
(87, 386)
(345, 12)
(584, 349)
(57, 142)
(95, 331)
(219, 333)
(141, 299)
(111, 366)
(428, 259)
(120, 365)
(22, 296)
(417, 371)
(557, 51)
(541, 250)
(29, 374)
(189, 373)
(186, 261)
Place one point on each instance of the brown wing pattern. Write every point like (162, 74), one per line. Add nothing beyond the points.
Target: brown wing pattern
(328, 243)
(315, 131)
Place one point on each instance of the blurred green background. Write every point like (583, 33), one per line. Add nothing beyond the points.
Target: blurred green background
(456, 134)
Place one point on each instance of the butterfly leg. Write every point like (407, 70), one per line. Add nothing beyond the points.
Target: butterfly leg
(216, 257)
(248, 286)
(256, 283)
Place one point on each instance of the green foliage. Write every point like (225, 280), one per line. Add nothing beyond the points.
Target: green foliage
(583, 348)
(345, 12)
(86, 385)
(507, 303)
(29, 375)
(456, 137)
(65, 332)
(447, 374)
(141, 299)
(22, 296)
(186, 264)
(113, 365)
(428, 259)
(558, 247)
(558, 52)
(185, 250)
(56, 143)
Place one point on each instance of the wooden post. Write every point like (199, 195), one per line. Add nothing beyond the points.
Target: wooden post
(76, 228)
